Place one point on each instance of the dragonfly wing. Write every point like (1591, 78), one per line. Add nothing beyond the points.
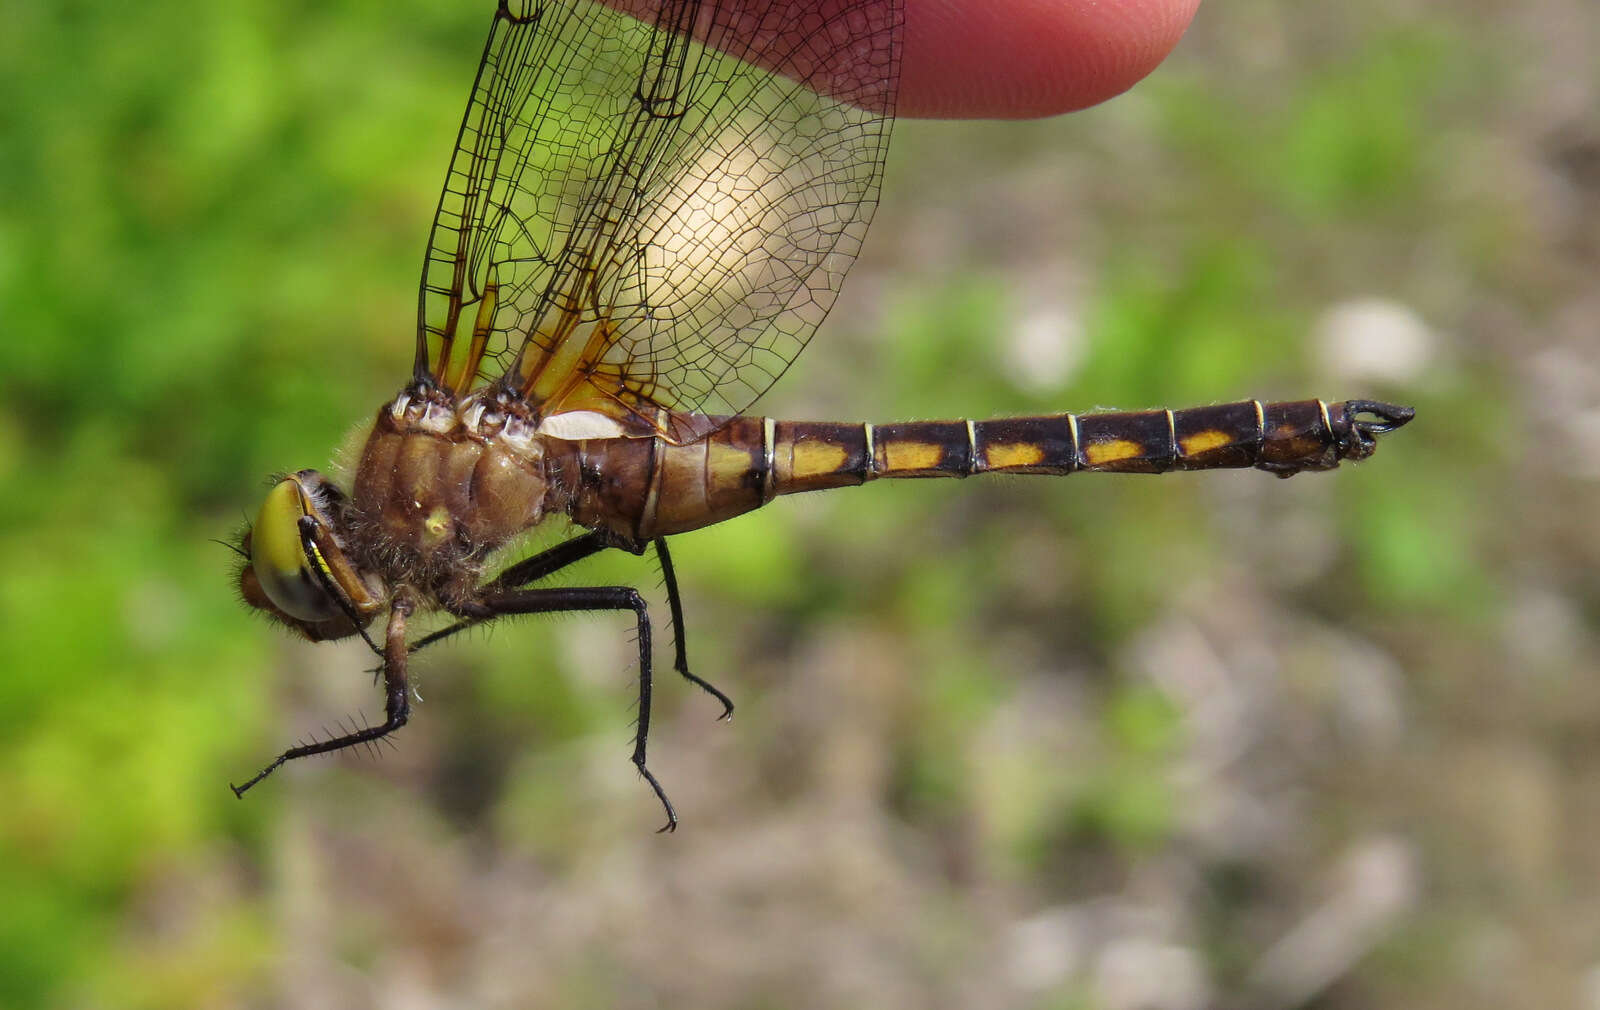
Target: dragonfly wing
(652, 208)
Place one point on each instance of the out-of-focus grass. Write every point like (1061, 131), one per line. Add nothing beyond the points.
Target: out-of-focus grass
(969, 713)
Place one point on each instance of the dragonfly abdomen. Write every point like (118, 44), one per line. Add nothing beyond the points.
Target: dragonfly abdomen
(645, 488)
(1283, 438)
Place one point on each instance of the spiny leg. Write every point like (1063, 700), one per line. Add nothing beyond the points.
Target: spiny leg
(397, 707)
(548, 562)
(529, 570)
(551, 601)
(680, 651)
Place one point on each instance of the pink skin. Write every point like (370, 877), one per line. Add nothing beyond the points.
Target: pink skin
(1020, 59)
(974, 59)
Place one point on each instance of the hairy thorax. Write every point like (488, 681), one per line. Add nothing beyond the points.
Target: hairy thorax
(440, 485)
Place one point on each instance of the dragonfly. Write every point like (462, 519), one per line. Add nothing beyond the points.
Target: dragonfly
(650, 208)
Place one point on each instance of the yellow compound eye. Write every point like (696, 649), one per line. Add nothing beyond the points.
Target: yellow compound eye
(279, 558)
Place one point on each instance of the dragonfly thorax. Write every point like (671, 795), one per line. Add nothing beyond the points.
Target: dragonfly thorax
(439, 487)
(442, 484)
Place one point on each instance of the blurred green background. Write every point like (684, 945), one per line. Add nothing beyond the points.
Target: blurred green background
(1207, 740)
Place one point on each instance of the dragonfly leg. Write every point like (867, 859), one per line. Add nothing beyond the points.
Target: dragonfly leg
(397, 706)
(551, 601)
(680, 651)
(547, 563)
(529, 570)
(319, 570)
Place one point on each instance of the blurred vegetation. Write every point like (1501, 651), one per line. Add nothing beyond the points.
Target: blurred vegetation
(1002, 743)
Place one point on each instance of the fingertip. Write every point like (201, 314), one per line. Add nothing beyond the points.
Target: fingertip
(1019, 59)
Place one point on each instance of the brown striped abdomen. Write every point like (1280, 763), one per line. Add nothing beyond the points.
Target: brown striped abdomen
(751, 460)
(1283, 438)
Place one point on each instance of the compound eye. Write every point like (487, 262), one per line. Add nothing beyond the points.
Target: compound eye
(279, 557)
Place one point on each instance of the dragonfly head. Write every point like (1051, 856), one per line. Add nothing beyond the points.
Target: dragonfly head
(297, 569)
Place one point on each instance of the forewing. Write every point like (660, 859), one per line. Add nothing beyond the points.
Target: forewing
(654, 212)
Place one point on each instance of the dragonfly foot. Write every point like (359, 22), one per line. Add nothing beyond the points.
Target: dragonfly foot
(709, 688)
(661, 794)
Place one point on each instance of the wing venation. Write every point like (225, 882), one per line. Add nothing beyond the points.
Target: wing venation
(651, 206)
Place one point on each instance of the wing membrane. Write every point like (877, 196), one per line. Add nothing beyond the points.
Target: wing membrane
(653, 210)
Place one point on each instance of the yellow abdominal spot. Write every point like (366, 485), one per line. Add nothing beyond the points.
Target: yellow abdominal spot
(912, 455)
(1011, 454)
(1204, 441)
(814, 458)
(1114, 451)
(726, 465)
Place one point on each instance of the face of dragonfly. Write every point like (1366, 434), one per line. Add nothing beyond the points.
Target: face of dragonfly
(297, 568)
